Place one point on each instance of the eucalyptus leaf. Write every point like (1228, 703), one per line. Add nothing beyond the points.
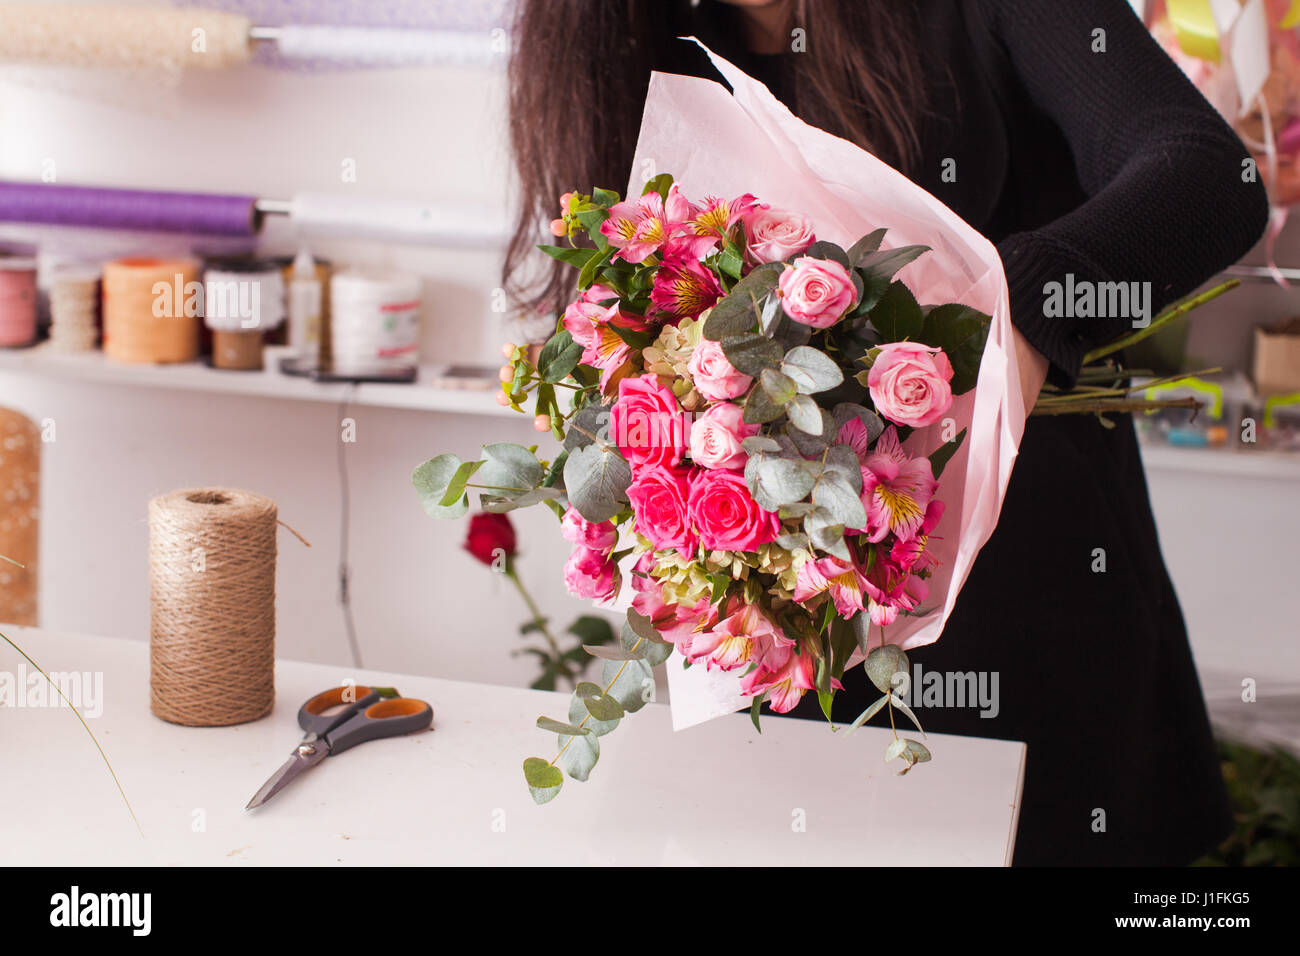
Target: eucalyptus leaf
(751, 353)
(631, 683)
(825, 534)
(842, 461)
(895, 749)
(868, 714)
(812, 369)
(592, 420)
(846, 412)
(809, 446)
(920, 753)
(456, 487)
(740, 310)
(601, 706)
(897, 701)
(544, 780)
(883, 663)
(805, 415)
(840, 501)
(578, 713)
(578, 755)
(597, 480)
(509, 470)
(558, 727)
(759, 409)
(495, 504)
(780, 481)
(757, 444)
(607, 652)
(793, 541)
(780, 389)
(431, 480)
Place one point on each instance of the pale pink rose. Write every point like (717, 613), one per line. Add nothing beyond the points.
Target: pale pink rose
(725, 516)
(772, 235)
(714, 376)
(591, 574)
(658, 496)
(909, 383)
(717, 434)
(576, 529)
(816, 292)
(647, 423)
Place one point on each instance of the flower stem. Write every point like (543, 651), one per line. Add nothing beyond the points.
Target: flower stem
(539, 621)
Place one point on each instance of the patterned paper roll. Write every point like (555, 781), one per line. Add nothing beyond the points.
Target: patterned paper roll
(374, 320)
(17, 302)
(212, 558)
(20, 491)
(150, 310)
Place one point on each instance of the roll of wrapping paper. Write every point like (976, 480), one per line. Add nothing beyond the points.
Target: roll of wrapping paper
(144, 210)
(212, 554)
(146, 302)
(20, 490)
(17, 302)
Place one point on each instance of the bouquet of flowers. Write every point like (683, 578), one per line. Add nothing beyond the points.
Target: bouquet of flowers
(787, 450)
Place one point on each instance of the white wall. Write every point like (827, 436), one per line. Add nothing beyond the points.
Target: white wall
(421, 603)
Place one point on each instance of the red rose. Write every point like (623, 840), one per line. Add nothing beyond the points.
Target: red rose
(489, 537)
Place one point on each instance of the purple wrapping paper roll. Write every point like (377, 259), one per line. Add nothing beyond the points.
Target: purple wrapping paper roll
(143, 210)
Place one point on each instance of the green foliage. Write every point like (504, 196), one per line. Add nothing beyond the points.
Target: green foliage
(1264, 788)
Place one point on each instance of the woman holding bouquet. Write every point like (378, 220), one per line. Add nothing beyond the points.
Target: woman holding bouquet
(1064, 134)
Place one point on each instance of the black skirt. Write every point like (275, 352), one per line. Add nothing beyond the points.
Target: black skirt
(1070, 604)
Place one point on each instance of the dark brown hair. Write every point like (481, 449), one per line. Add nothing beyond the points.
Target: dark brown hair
(581, 68)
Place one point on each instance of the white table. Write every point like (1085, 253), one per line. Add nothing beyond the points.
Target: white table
(714, 794)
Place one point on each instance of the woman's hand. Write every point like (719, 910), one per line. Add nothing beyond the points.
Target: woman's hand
(1033, 369)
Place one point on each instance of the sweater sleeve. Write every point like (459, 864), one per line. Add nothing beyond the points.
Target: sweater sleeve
(1168, 203)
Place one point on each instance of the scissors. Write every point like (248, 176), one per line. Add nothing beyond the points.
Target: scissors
(337, 720)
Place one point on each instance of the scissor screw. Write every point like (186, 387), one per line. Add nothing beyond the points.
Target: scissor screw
(306, 749)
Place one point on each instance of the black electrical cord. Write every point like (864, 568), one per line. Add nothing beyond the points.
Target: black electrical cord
(345, 520)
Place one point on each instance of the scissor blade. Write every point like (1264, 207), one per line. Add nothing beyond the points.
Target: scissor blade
(295, 765)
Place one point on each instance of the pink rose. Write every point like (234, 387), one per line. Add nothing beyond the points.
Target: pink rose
(816, 292)
(714, 376)
(773, 235)
(717, 434)
(591, 574)
(724, 514)
(578, 530)
(648, 425)
(658, 496)
(909, 383)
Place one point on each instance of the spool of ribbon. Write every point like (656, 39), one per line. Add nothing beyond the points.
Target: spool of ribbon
(242, 300)
(212, 555)
(17, 302)
(144, 210)
(374, 321)
(151, 309)
(20, 492)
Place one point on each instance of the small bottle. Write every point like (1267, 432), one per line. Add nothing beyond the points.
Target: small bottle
(305, 307)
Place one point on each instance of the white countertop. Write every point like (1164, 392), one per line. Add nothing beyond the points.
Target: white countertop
(714, 794)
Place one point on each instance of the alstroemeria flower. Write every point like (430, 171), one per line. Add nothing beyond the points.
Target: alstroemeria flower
(639, 228)
(912, 555)
(783, 682)
(734, 639)
(848, 587)
(894, 590)
(676, 624)
(896, 490)
(713, 222)
(683, 286)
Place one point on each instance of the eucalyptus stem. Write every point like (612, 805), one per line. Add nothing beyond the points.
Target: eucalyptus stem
(1160, 321)
(1117, 405)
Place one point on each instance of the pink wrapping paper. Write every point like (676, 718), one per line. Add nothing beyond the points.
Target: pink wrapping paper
(716, 143)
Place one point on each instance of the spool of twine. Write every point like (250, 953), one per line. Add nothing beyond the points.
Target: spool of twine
(146, 319)
(212, 588)
(17, 302)
(20, 489)
(74, 309)
(237, 351)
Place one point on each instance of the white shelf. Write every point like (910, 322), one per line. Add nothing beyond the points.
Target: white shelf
(269, 383)
(1237, 463)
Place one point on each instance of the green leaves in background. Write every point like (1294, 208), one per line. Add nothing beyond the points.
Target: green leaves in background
(743, 306)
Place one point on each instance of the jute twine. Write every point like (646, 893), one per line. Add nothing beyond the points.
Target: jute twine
(20, 492)
(212, 586)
